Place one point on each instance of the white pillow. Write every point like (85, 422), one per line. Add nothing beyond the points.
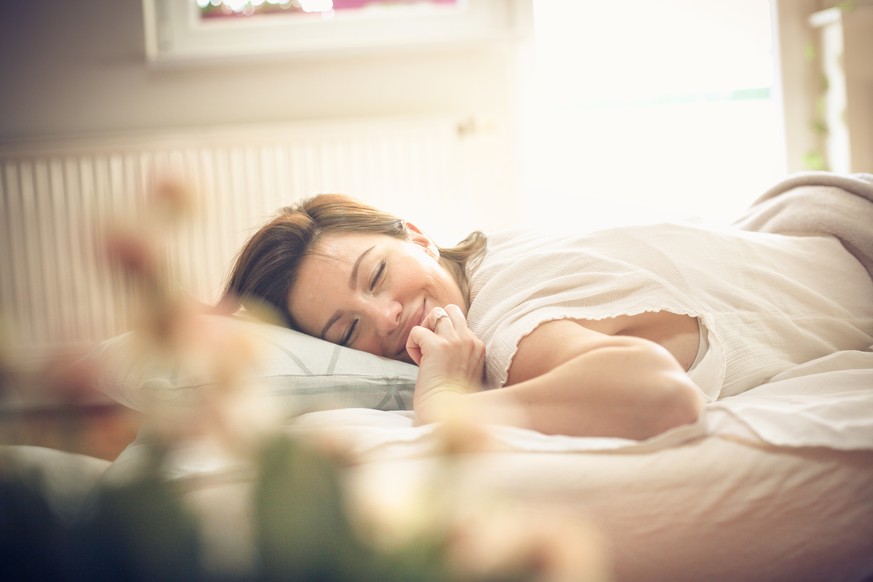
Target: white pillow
(300, 372)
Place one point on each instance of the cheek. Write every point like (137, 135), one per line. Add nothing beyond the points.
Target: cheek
(371, 345)
(406, 276)
(423, 276)
(307, 309)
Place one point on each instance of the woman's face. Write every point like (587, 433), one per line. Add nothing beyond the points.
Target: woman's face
(367, 291)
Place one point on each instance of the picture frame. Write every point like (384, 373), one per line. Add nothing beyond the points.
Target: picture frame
(176, 34)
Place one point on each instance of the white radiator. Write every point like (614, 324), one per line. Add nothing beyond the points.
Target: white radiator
(58, 199)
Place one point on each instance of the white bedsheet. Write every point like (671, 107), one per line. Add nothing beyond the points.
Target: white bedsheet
(775, 484)
(713, 509)
(827, 402)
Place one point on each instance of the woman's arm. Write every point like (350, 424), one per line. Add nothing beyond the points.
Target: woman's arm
(568, 379)
(572, 380)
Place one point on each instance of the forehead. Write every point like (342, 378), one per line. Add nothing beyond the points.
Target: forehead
(330, 261)
(344, 247)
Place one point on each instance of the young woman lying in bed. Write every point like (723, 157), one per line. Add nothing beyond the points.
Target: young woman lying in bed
(624, 332)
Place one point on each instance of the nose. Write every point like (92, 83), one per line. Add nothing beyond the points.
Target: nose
(385, 313)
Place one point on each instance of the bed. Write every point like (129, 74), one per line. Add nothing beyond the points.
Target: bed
(772, 484)
(757, 490)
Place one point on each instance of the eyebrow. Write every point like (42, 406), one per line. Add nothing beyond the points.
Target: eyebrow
(352, 278)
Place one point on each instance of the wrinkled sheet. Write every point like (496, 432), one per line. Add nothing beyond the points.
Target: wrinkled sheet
(827, 402)
(711, 509)
(775, 484)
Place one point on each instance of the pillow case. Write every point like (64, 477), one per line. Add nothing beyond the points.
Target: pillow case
(299, 372)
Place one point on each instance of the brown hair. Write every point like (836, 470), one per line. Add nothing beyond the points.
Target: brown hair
(266, 267)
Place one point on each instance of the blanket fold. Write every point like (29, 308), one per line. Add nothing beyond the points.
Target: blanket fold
(819, 203)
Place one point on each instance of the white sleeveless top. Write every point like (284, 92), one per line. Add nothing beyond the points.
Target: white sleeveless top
(766, 301)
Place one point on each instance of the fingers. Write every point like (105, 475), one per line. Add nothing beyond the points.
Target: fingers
(448, 322)
(438, 314)
(459, 320)
(447, 352)
(413, 343)
(450, 314)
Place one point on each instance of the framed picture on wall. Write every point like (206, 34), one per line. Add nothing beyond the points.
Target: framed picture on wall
(191, 31)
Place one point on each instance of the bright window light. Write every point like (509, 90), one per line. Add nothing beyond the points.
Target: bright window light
(641, 111)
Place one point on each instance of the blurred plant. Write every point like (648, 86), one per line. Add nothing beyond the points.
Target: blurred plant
(262, 503)
(816, 158)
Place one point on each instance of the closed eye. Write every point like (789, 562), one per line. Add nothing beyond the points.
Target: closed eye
(377, 275)
(350, 331)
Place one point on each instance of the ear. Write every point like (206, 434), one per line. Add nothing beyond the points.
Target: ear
(415, 235)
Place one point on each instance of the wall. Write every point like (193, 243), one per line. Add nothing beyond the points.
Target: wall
(73, 71)
(75, 68)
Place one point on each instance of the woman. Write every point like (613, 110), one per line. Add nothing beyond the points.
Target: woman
(621, 333)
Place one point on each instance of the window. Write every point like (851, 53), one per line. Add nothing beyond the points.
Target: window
(641, 111)
(213, 10)
(190, 31)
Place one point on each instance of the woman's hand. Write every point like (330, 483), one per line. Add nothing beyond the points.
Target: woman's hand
(450, 357)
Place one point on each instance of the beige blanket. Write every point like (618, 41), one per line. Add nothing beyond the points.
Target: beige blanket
(819, 203)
